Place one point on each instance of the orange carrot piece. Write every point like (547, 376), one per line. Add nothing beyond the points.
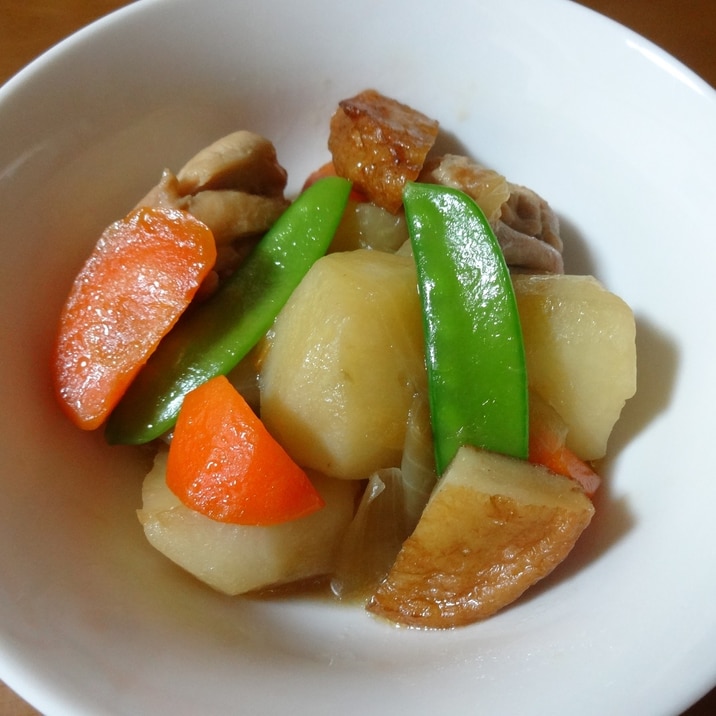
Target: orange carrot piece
(329, 170)
(138, 280)
(325, 170)
(547, 449)
(224, 463)
(548, 446)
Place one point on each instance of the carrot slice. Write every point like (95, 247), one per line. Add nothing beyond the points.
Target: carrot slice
(548, 446)
(329, 170)
(224, 463)
(547, 449)
(138, 280)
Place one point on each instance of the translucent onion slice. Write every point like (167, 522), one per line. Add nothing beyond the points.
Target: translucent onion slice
(418, 464)
(373, 538)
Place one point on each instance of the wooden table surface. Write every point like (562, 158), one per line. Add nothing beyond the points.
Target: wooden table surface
(685, 28)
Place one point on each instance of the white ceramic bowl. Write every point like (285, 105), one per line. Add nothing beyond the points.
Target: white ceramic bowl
(616, 134)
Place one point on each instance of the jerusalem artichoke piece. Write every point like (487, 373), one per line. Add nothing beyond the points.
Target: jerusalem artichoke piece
(380, 144)
(493, 527)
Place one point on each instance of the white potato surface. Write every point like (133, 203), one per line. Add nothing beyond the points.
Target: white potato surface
(343, 363)
(580, 344)
(235, 559)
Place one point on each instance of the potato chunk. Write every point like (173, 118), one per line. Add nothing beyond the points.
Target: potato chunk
(367, 226)
(379, 144)
(581, 354)
(343, 362)
(493, 527)
(235, 559)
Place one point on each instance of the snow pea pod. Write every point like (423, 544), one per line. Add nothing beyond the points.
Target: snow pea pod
(212, 337)
(473, 338)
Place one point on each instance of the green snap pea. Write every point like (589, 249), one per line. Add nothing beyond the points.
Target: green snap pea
(212, 337)
(473, 338)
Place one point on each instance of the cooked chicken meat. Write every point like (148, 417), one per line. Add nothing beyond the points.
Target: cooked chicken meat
(488, 188)
(525, 225)
(528, 232)
(243, 161)
(235, 186)
(234, 214)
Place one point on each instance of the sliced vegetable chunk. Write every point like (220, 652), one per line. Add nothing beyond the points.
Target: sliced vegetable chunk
(225, 464)
(473, 338)
(214, 337)
(140, 277)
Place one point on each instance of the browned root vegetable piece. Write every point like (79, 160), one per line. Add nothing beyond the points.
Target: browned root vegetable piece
(380, 144)
(493, 527)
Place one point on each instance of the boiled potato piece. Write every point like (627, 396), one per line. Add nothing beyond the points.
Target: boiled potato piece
(235, 559)
(367, 226)
(493, 527)
(343, 362)
(581, 354)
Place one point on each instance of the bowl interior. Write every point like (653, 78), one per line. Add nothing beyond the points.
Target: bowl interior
(614, 133)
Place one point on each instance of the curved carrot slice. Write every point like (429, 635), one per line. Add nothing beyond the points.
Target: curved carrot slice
(329, 170)
(548, 449)
(548, 446)
(140, 277)
(224, 463)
